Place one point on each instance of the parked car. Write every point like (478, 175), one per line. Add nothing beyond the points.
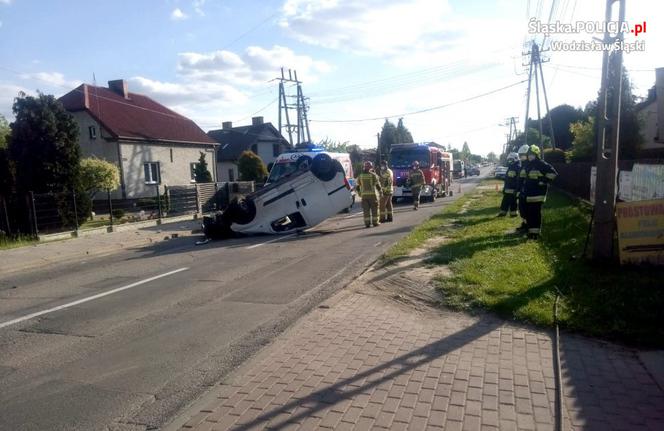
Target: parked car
(501, 171)
(474, 170)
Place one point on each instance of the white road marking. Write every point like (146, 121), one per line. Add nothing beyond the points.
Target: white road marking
(270, 241)
(89, 298)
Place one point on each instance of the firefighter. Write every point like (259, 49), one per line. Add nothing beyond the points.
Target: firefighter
(416, 181)
(510, 186)
(386, 182)
(521, 197)
(538, 176)
(368, 185)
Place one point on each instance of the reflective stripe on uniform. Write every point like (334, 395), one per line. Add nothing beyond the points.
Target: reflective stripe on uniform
(509, 191)
(511, 174)
(551, 176)
(540, 198)
(534, 174)
(534, 230)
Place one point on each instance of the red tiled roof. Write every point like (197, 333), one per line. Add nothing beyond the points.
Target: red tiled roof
(137, 117)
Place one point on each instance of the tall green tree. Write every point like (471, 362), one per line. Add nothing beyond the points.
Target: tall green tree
(6, 171)
(201, 172)
(583, 144)
(251, 167)
(562, 117)
(491, 157)
(388, 137)
(44, 145)
(403, 135)
(533, 139)
(333, 146)
(465, 151)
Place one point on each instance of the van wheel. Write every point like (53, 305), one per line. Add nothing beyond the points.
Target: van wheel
(324, 168)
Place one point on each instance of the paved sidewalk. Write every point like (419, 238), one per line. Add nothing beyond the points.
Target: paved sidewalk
(371, 361)
(69, 250)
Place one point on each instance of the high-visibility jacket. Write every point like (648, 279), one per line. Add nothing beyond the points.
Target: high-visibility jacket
(522, 178)
(512, 178)
(368, 184)
(386, 181)
(416, 178)
(538, 176)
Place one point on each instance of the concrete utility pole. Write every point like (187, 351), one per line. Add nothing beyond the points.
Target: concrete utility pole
(511, 122)
(534, 63)
(608, 130)
(301, 126)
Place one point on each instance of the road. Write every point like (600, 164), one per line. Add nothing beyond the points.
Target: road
(129, 340)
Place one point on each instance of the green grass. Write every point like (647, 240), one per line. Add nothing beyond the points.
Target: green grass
(498, 270)
(21, 241)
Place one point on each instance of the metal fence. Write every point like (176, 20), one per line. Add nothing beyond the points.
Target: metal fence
(47, 213)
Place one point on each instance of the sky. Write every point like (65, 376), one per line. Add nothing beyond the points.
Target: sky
(452, 68)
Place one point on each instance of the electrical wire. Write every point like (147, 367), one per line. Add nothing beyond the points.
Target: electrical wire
(421, 111)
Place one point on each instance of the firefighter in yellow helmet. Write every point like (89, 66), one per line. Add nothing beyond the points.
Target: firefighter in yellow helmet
(386, 180)
(416, 182)
(538, 176)
(368, 185)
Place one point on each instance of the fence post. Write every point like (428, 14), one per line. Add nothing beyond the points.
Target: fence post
(33, 211)
(6, 212)
(199, 208)
(73, 194)
(158, 201)
(110, 207)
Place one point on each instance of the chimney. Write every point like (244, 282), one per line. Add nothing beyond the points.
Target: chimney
(119, 87)
(227, 125)
(256, 121)
(659, 94)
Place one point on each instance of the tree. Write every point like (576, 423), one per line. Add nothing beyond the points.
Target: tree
(533, 139)
(333, 146)
(6, 171)
(562, 116)
(251, 167)
(5, 131)
(98, 175)
(583, 145)
(402, 134)
(388, 137)
(44, 145)
(491, 157)
(201, 172)
(465, 151)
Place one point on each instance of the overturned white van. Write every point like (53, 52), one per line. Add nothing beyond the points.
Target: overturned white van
(299, 200)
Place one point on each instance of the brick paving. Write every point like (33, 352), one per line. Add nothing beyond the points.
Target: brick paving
(369, 362)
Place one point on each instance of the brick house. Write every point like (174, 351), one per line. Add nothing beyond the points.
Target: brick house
(260, 137)
(152, 145)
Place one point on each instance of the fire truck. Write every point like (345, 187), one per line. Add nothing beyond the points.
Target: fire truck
(436, 164)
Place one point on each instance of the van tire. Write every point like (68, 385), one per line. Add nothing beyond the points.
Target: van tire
(241, 211)
(324, 167)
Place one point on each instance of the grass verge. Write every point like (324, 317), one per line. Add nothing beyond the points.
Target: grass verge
(14, 242)
(495, 269)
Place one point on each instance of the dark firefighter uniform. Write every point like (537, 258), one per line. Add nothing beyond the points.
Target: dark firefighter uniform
(510, 189)
(386, 180)
(538, 176)
(521, 194)
(416, 181)
(369, 187)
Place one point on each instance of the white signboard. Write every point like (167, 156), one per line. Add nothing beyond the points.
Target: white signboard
(647, 182)
(625, 186)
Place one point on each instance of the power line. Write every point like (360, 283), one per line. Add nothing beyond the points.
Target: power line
(259, 111)
(421, 111)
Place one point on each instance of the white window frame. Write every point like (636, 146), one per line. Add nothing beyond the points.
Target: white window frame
(150, 169)
(192, 171)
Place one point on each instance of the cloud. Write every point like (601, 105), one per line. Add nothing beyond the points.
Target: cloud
(178, 15)
(254, 66)
(373, 27)
(6, 1)
(50, 80)
(8, 92)
(198, 7)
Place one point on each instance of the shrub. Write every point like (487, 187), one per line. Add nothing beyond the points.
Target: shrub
(554, 155)
(118, 213)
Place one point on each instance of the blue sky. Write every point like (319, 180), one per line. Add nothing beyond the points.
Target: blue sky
(212, 60)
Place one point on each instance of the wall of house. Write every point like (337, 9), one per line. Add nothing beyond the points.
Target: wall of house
(174, 165)
(648, 117)
(222, 171)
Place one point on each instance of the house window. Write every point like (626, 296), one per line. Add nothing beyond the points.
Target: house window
(231, 175)
(151, 170)
(92, 130)
(254, 148)
(276, 150)
(192, 171)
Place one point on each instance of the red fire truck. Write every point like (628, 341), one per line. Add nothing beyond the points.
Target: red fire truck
(436, 164)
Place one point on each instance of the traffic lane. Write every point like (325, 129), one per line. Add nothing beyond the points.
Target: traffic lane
(130, 368)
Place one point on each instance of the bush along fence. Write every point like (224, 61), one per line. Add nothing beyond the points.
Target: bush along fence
(40, 214)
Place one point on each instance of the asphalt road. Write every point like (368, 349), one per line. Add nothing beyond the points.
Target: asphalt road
(129, 340)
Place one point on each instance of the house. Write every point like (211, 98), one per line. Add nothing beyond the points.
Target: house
(651, 115)
(260, 137)
(152, 145)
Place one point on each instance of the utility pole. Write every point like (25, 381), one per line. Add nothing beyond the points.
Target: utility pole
(608, 129)
(511, 122)
(534, 64)
(301, 126)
